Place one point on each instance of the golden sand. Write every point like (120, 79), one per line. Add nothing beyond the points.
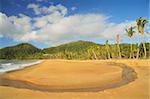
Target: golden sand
(60, 74)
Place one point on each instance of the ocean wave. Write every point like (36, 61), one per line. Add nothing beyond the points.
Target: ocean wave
(6, 67)
(6, 64)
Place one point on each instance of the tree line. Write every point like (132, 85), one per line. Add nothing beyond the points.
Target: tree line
(141, 22)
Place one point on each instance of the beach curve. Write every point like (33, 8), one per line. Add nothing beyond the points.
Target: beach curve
(127, 75)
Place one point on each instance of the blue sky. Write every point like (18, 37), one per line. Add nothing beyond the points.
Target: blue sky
(118, 12)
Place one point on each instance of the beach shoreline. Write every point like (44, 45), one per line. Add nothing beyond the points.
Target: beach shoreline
(128, 75)
(21, 66)
(129, 72)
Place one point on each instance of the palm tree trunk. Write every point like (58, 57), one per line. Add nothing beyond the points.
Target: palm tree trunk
(94, 55)
(138, 50)
(107, 51)
(119, 52)
(133, 55)
(108, 54)
(144, 46)
(130, 55)
(131, 50)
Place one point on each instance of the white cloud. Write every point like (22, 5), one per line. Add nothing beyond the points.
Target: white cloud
(22, 21)
(73, 27)
(47, 19)
(113, 29)
(15, 27)
(81, 27)
(56, 28)
(48, 10)
(35, 8)
(73, 8)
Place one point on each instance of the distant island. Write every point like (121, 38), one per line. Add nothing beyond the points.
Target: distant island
(78, 50)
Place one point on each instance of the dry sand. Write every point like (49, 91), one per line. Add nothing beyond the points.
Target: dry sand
(63, 74)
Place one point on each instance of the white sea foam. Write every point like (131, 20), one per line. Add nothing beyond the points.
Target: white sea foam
(7, 64)
(15, 65)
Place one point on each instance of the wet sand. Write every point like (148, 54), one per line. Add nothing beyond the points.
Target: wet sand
(111, 79)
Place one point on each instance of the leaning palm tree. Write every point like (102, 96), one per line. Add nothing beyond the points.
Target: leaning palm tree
(141, 22)
(130, 32)
(118, 47)
(92, 49)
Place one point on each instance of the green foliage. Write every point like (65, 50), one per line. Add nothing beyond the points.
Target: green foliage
(81, 50)
(21, 51)
(73, 47)
(130, 31)
(141, 22)
(73, 50)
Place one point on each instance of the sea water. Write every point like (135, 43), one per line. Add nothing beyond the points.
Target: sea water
(10, 65)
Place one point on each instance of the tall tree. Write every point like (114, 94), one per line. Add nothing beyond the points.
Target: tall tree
(118, 47)
(130, 31)
(141, 22)
(95, 56)
(107, 50)
(92, 50)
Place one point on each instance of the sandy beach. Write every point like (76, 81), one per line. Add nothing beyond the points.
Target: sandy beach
(72, 79)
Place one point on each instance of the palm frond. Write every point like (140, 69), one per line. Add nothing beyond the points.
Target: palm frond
(130, 31)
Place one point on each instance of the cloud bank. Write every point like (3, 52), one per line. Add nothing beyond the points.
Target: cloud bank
(55, 26)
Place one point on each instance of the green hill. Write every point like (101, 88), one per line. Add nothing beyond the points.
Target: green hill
(74, 50)
(20, 51)
(78, 46)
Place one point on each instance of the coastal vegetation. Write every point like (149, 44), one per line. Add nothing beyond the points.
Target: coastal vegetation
(130, 33)
(20, 51)
(74, 50)
(141, 22)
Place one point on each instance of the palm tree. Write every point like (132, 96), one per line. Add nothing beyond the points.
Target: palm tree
(141, 22)
(130, 32)
(95, 56)
(92, 49)
(118, 39)
(107, 50)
